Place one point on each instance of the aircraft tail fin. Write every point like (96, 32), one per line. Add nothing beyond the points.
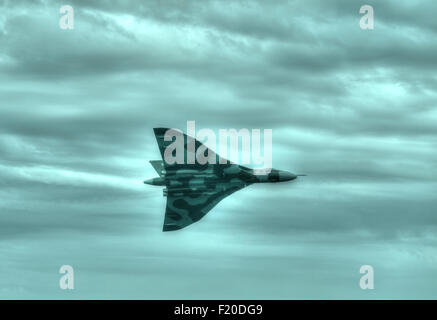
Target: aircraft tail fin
(186, 152)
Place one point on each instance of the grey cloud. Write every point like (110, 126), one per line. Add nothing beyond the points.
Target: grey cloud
(353, 109)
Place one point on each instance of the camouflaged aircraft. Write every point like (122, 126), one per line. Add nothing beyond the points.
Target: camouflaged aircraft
(192, 190)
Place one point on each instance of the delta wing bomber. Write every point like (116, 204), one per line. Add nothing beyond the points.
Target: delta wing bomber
(193, 189)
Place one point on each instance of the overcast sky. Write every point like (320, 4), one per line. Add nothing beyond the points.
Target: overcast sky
(354, 109)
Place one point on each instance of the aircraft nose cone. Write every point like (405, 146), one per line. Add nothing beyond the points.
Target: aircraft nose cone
(286, 176)
(149, 181)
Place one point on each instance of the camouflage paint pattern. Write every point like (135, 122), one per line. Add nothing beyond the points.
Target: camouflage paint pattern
(192, 190)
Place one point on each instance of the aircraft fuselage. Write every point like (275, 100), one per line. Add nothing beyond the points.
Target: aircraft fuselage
(193, 180)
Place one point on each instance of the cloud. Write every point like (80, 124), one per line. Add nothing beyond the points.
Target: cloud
(353, 109)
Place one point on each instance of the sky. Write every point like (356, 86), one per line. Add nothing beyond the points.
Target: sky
(354, 109)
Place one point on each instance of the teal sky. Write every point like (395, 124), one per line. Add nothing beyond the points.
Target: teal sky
(354, 109)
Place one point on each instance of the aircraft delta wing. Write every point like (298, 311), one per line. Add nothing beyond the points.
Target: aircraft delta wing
(192, 190)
